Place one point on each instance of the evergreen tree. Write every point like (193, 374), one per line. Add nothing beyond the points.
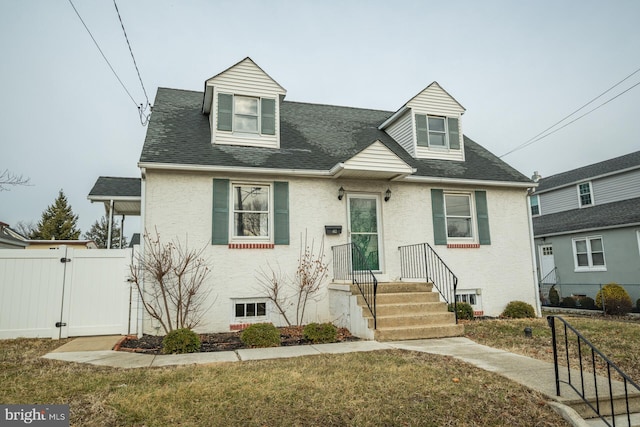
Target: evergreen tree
(58, 222)
(99, 231)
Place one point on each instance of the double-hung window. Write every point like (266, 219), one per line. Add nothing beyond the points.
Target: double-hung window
(251, 217)
(246, 114)
(460, 218)
(535, 205)
(589, 254)
(585, 194)
(437, 132)
(250, 213)
(458, 215)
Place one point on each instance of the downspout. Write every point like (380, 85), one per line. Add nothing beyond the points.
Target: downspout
(534, 274)
(143, 187)
(121, 231)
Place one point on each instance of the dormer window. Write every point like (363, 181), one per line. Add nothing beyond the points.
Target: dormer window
(437, 132)
(245, 114)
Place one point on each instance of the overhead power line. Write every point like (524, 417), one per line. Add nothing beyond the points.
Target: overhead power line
(146, 119)
(135, 64)
(543, 135)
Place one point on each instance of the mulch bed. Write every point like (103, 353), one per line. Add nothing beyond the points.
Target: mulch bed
(225, 341)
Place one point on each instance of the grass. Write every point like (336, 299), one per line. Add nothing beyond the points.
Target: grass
(615, 337)
(392, 388)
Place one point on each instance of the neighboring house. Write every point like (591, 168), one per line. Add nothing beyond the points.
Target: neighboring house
(11, 239)
(238, 170)
(587, 227)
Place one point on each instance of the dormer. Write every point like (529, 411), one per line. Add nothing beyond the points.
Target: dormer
(429, 125)
(243, 104)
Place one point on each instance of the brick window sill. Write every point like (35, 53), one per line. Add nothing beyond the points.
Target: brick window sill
(463, 245)
(251, 245)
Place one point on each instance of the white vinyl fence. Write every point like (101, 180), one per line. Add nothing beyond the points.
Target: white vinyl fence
(66, 292)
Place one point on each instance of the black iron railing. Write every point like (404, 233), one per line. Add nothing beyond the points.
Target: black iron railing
(582, 356)
(349, 263)
(420, 261)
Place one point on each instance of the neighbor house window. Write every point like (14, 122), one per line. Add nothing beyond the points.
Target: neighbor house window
(535, 205)
(251, 216)
(458, 215)
(589, 254)
(437, 132)
(585, 194)
(248, 310)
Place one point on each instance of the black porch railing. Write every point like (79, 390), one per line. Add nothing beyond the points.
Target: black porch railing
(420, 261)
(586, 359)
(349, 263)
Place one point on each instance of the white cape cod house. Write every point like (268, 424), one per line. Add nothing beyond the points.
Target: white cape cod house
(247, 174)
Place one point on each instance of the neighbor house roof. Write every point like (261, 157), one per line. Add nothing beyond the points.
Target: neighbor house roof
(11, 238)
(625, 213)
(124, 192)
(313, 137)
(607, 167)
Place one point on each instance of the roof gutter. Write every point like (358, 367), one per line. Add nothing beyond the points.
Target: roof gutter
(246, 170)
(459, 181)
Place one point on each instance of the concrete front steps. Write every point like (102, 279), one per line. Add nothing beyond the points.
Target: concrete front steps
(408, 311)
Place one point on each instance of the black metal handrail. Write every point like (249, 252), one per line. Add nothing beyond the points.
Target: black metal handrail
(420, 261)
(349, 263)
(596, 356)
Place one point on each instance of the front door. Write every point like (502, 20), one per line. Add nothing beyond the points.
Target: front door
(364, 228)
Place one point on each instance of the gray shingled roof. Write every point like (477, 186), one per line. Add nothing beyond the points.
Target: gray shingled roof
(312, 137)
(609, 215)
(584, 173)
(116, 187)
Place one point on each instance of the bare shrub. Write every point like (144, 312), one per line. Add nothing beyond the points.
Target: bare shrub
(307, 280)
(170, 279)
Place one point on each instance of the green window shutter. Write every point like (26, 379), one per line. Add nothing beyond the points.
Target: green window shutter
(422, 134)
(439, 220)
(220, 221)
(225, 111)
(268, 116)
(281, 213)
(454, 134)
(482, 213)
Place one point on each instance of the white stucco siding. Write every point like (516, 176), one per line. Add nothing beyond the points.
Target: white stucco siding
(180, 204)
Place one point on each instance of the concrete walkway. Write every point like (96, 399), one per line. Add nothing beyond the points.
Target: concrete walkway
(532, 373)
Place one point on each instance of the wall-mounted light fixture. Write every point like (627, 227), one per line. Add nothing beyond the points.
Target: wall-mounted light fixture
(340, 193)
(387, 195)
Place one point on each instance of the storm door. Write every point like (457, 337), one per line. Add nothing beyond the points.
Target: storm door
(364, 228)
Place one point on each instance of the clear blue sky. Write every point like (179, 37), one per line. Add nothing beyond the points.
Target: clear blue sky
(516, 66)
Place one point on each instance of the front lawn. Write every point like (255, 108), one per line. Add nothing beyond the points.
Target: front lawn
(616, 337)
(391, 388)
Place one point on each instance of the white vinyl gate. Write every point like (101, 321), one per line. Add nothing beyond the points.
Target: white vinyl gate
(66, 292)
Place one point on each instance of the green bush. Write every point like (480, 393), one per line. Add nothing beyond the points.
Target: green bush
(320, 333)
(181, 341)
(616, 299)
(465, 311)
(568, 302)
(554, 296)
(587, 303)
(261, 335)
(518, 310)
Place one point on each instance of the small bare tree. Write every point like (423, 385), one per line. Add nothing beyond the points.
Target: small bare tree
(311, 272)
(170, 279)
(8, 178)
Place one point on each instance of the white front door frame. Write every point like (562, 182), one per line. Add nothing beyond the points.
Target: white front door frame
(378, 218)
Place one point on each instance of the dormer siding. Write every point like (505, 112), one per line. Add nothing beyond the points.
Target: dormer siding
(402, 130)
